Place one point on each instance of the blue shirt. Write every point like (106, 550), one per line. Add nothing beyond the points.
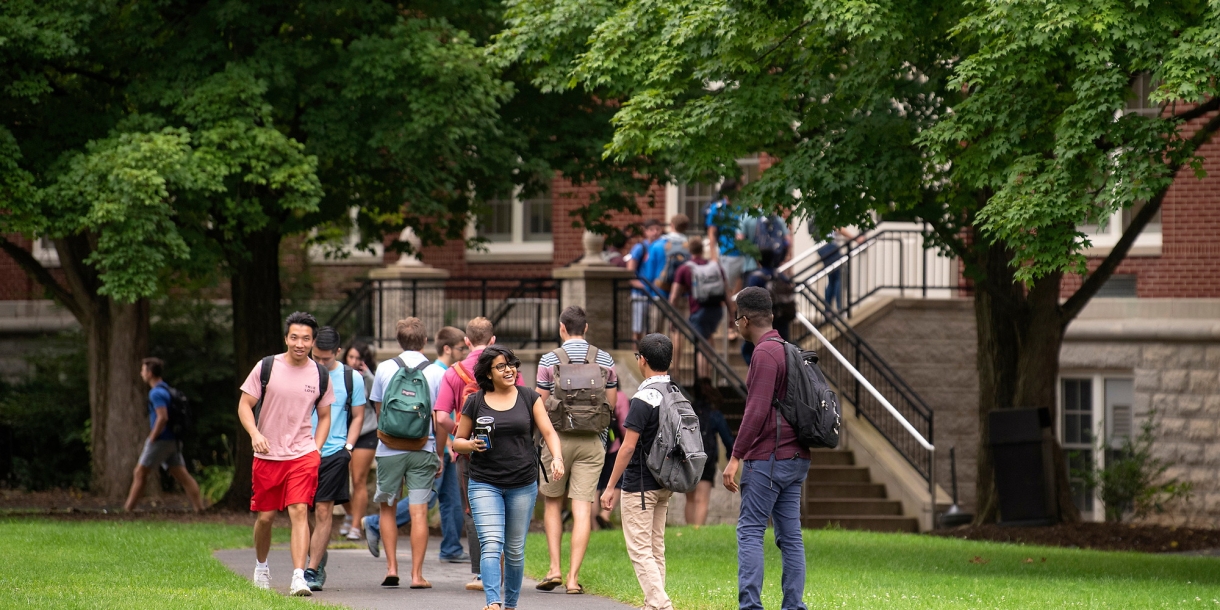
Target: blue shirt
(658, 256)
(639, 254)
(726, 220)
(158, 398)
(338, 411)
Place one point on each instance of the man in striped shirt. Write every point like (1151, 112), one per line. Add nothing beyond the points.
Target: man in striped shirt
(583, 456)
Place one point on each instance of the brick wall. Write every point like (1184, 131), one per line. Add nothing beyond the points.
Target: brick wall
(1189, 264)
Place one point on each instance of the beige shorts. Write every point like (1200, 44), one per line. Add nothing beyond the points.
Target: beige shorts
(583, 456)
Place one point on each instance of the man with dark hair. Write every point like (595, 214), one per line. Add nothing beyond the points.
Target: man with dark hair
(644, 520)
(400, 460)
(336, 450)
(584, 454)
(450, 348)
(775, 465)
(286, 452)
(636, 260)
(161, 447)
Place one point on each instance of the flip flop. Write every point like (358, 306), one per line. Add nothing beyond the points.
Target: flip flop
(390, 581)
(579, 590)
(549, 584)
(426, 585)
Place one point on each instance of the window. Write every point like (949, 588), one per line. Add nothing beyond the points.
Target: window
(1139, 100)
(348, 251)
(1106, 235)
(44, 252)
(515, 230)
(692, 198)
(1093, 405)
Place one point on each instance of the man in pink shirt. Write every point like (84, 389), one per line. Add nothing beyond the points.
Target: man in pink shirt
(276, 410)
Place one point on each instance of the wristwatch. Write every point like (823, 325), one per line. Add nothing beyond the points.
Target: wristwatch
(348, 446)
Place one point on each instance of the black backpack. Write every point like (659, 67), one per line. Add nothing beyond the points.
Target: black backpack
(808, 405)
(265, 378)
(180, 421)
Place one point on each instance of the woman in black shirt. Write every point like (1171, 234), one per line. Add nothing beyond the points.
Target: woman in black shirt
(497, 426)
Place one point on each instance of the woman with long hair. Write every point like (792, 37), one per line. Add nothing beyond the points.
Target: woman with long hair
(359, 356)
(497, 428)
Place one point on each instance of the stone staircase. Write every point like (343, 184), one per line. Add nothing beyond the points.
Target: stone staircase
(838, 493)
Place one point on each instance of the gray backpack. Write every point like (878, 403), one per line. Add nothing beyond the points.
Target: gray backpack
(578, 402)
(676, 458)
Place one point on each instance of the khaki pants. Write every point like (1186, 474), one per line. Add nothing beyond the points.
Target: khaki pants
(644, 531)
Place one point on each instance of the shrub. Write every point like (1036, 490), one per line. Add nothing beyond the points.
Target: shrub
(1133, 481)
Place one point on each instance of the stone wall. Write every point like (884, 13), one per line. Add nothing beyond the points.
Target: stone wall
(932, 345)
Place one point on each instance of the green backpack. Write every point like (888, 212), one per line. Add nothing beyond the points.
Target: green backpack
(406, 406)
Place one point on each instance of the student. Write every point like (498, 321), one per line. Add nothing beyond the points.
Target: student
(584, 454)
(773, 466)
(399, 460)
(636, 262)
(450, 348)
(359, 356)
(504, 468)
(161, 448)
(371, 525)
(706, 299)
(723, 222)
(621, 405)
(644, 521)
(712, 424)
(336, 451)
(666, 255)
(286, 453)
(456, 385)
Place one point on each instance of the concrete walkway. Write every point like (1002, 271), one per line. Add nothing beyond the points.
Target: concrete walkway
(353, 579)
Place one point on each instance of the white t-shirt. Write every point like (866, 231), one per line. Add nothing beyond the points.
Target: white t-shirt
(385, 372)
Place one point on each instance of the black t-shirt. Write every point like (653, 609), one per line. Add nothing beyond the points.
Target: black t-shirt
(511, 461)
(642, 417)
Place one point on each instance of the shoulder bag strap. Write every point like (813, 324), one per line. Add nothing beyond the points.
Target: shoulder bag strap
(323, 384)
(347, 383)
(562, 355)
(591, 355)
(264, 377)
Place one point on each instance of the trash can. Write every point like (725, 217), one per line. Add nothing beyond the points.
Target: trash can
(1020, 454)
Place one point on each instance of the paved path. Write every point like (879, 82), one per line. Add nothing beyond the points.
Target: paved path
(353, 578)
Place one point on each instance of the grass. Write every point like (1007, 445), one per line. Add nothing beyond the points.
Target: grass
(869, 570)
(126, 564)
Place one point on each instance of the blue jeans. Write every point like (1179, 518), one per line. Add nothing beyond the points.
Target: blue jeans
(453, 518)
(834, 290)
(402, 514)
(502, 517)
(771, 488)
(707, 319)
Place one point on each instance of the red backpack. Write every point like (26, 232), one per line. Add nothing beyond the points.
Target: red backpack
(470, 388)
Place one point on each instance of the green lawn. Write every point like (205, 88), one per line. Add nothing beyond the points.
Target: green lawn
(132, 564)
(866, 570)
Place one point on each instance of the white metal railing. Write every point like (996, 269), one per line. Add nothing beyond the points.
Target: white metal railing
(923, 442)
(802, 256)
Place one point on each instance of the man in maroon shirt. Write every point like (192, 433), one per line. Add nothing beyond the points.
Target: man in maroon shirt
(773, 465)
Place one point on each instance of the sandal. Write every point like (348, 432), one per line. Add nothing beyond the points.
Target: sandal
(579, 590)
(550, 583)
(390, 581)
(426, 585)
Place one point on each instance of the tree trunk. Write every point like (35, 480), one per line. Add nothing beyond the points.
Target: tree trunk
(117, 338)
(257, 332)
(1019, 337)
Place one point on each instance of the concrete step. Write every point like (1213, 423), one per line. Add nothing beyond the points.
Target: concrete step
(853, 506)
(875, 523)
(831, 457)
(839, 474)
(844, 490)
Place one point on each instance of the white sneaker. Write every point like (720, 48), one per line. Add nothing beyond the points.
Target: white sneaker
(262, 577)
(346, 527)
(298, 587)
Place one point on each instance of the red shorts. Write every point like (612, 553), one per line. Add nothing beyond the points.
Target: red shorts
(279, 484)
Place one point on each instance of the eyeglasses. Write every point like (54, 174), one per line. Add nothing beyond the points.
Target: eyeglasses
(737, 320)
(639, 355)
(500, 368)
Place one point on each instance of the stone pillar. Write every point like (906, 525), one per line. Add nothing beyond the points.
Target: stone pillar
(590, 284)
(407, 288)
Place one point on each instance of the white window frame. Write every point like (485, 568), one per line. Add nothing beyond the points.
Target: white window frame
(517, 249)
(1147, 243)
(1101, 423)
(673, 190)
(43, 250)
(354, 255)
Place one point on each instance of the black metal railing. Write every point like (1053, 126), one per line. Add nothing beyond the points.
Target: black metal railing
(895, 261)
(525, 312)
(873, 368)
(694, 356)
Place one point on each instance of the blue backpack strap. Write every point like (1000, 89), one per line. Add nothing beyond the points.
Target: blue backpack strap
(264, 377)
